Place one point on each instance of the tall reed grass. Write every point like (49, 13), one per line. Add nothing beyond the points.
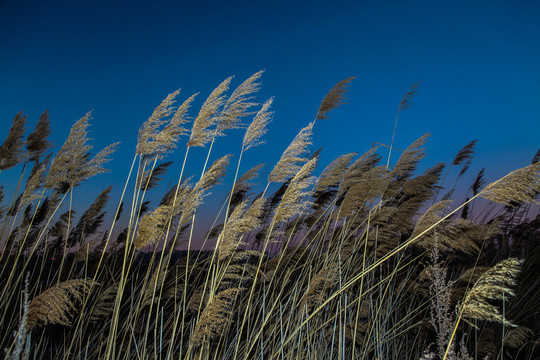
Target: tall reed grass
(363, 261)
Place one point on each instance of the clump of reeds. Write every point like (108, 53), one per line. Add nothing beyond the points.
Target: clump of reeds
(359, 260)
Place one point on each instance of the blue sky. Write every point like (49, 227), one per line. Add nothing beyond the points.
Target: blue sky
(478, 62)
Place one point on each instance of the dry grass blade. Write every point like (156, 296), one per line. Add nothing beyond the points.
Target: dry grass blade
(289, 163)
(11, 149)
(519, 186)
(333, 99)
(57, 304)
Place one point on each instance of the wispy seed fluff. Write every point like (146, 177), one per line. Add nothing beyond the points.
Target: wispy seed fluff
(290, 162)
(257, 128)
(293, 201)
(201, 132)
(520, 186)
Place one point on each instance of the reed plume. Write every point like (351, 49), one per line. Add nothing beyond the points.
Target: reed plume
(290, 162)
(243, 185)
(214, 317)
(406, 100)
(409, 159)
(466, 153)
(57, 304)
(257, 128)
(37, 142)
(334, 173)
(11, 150)
(158, 135)
(495, 284)
(153, 286)
(240, 222)
(294, 200)
(23, 334)
(519, 186)
(333, 99)
(104, 304)
(237, 105)
(72, 164)
(34, 183)
(201, 132)
(210, 178)
(91, 219)
(150, 178)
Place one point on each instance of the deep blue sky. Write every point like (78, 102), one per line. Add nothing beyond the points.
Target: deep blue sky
(478, 62)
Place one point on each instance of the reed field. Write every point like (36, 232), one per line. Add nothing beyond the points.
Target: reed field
(356, 259)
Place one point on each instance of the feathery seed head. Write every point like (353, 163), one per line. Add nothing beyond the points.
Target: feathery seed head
(333, 99)
(289, 163)
(201, 132)
(11, 150)
(257, 128)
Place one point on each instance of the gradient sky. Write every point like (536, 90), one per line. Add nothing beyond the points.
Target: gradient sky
(478, 62)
